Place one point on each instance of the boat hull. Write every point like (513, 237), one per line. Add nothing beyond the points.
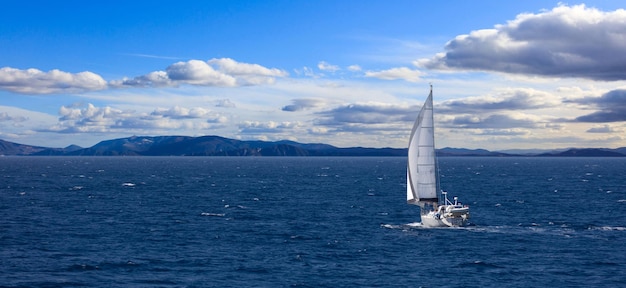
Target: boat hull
(432, 220)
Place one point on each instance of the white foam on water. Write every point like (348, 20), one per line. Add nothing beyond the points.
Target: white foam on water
(389, 226)
(402, 226)
(608, 228)
(213, 214)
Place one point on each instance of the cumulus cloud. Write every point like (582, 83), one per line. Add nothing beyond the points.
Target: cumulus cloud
(33, 81)
(303, 104)
(611, 107)
(604, 129)
(256, 127)
(83, 118)
(495, 121)
(509, 99)
(152, 79)
(325, 66)
(225, 103)
(89, 118)
(198, 72)
(497, 114)
(245, 73)
(369, 113)
(177, 112)
(354, 68)
(503, 132)
(403, 73)
(224, 72)
(567, 41)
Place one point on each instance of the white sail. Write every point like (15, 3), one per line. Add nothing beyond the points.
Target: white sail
(421, 168)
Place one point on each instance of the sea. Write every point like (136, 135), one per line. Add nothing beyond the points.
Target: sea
(308, 222)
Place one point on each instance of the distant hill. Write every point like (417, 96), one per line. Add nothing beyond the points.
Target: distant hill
(531, 152)
(587, 152)
(469, 152)
(220, 146)
(209, 146)
(10, 148)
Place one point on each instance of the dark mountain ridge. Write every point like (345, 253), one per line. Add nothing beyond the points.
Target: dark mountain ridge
(586, 152)
(220, 146)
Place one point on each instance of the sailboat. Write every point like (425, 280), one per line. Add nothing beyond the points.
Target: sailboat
(422, 187)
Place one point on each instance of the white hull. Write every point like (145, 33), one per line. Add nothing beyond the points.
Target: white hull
(431, 222)
(456, 218)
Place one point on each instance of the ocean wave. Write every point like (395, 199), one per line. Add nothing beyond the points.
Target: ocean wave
(212, 214)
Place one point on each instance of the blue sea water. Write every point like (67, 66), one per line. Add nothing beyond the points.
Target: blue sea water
(307, 222)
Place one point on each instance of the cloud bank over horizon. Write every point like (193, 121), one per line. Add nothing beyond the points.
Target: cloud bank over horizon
(552, 78)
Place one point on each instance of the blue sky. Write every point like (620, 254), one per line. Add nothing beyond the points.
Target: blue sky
(522, 74)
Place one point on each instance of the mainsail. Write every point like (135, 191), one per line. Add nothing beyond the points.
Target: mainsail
(421, 169)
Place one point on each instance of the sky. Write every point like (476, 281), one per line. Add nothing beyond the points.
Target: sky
(505, 75)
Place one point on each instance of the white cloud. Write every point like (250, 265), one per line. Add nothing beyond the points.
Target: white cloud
(259, 127)
(611, 107)
(152, 79)
(497, 121)
(84, 118)
(325, 66)
(354, 68)
(78, 118)
(245, 73)
(308, 72)
(503, 100)
(225, 103)
(604, 129)
(232, 67)
(33, 81)
(303, 104)
(502, 132)
(368, 113)
(224, 72)
(199, 73)
(177, 112)
(403, 73)
(567, 41)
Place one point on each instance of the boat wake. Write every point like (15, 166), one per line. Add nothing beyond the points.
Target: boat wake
(415, 225)
(607, 228)
(551, 229)
(563, 230)
(402, 226)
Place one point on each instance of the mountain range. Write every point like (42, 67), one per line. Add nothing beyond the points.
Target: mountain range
(220, 146)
